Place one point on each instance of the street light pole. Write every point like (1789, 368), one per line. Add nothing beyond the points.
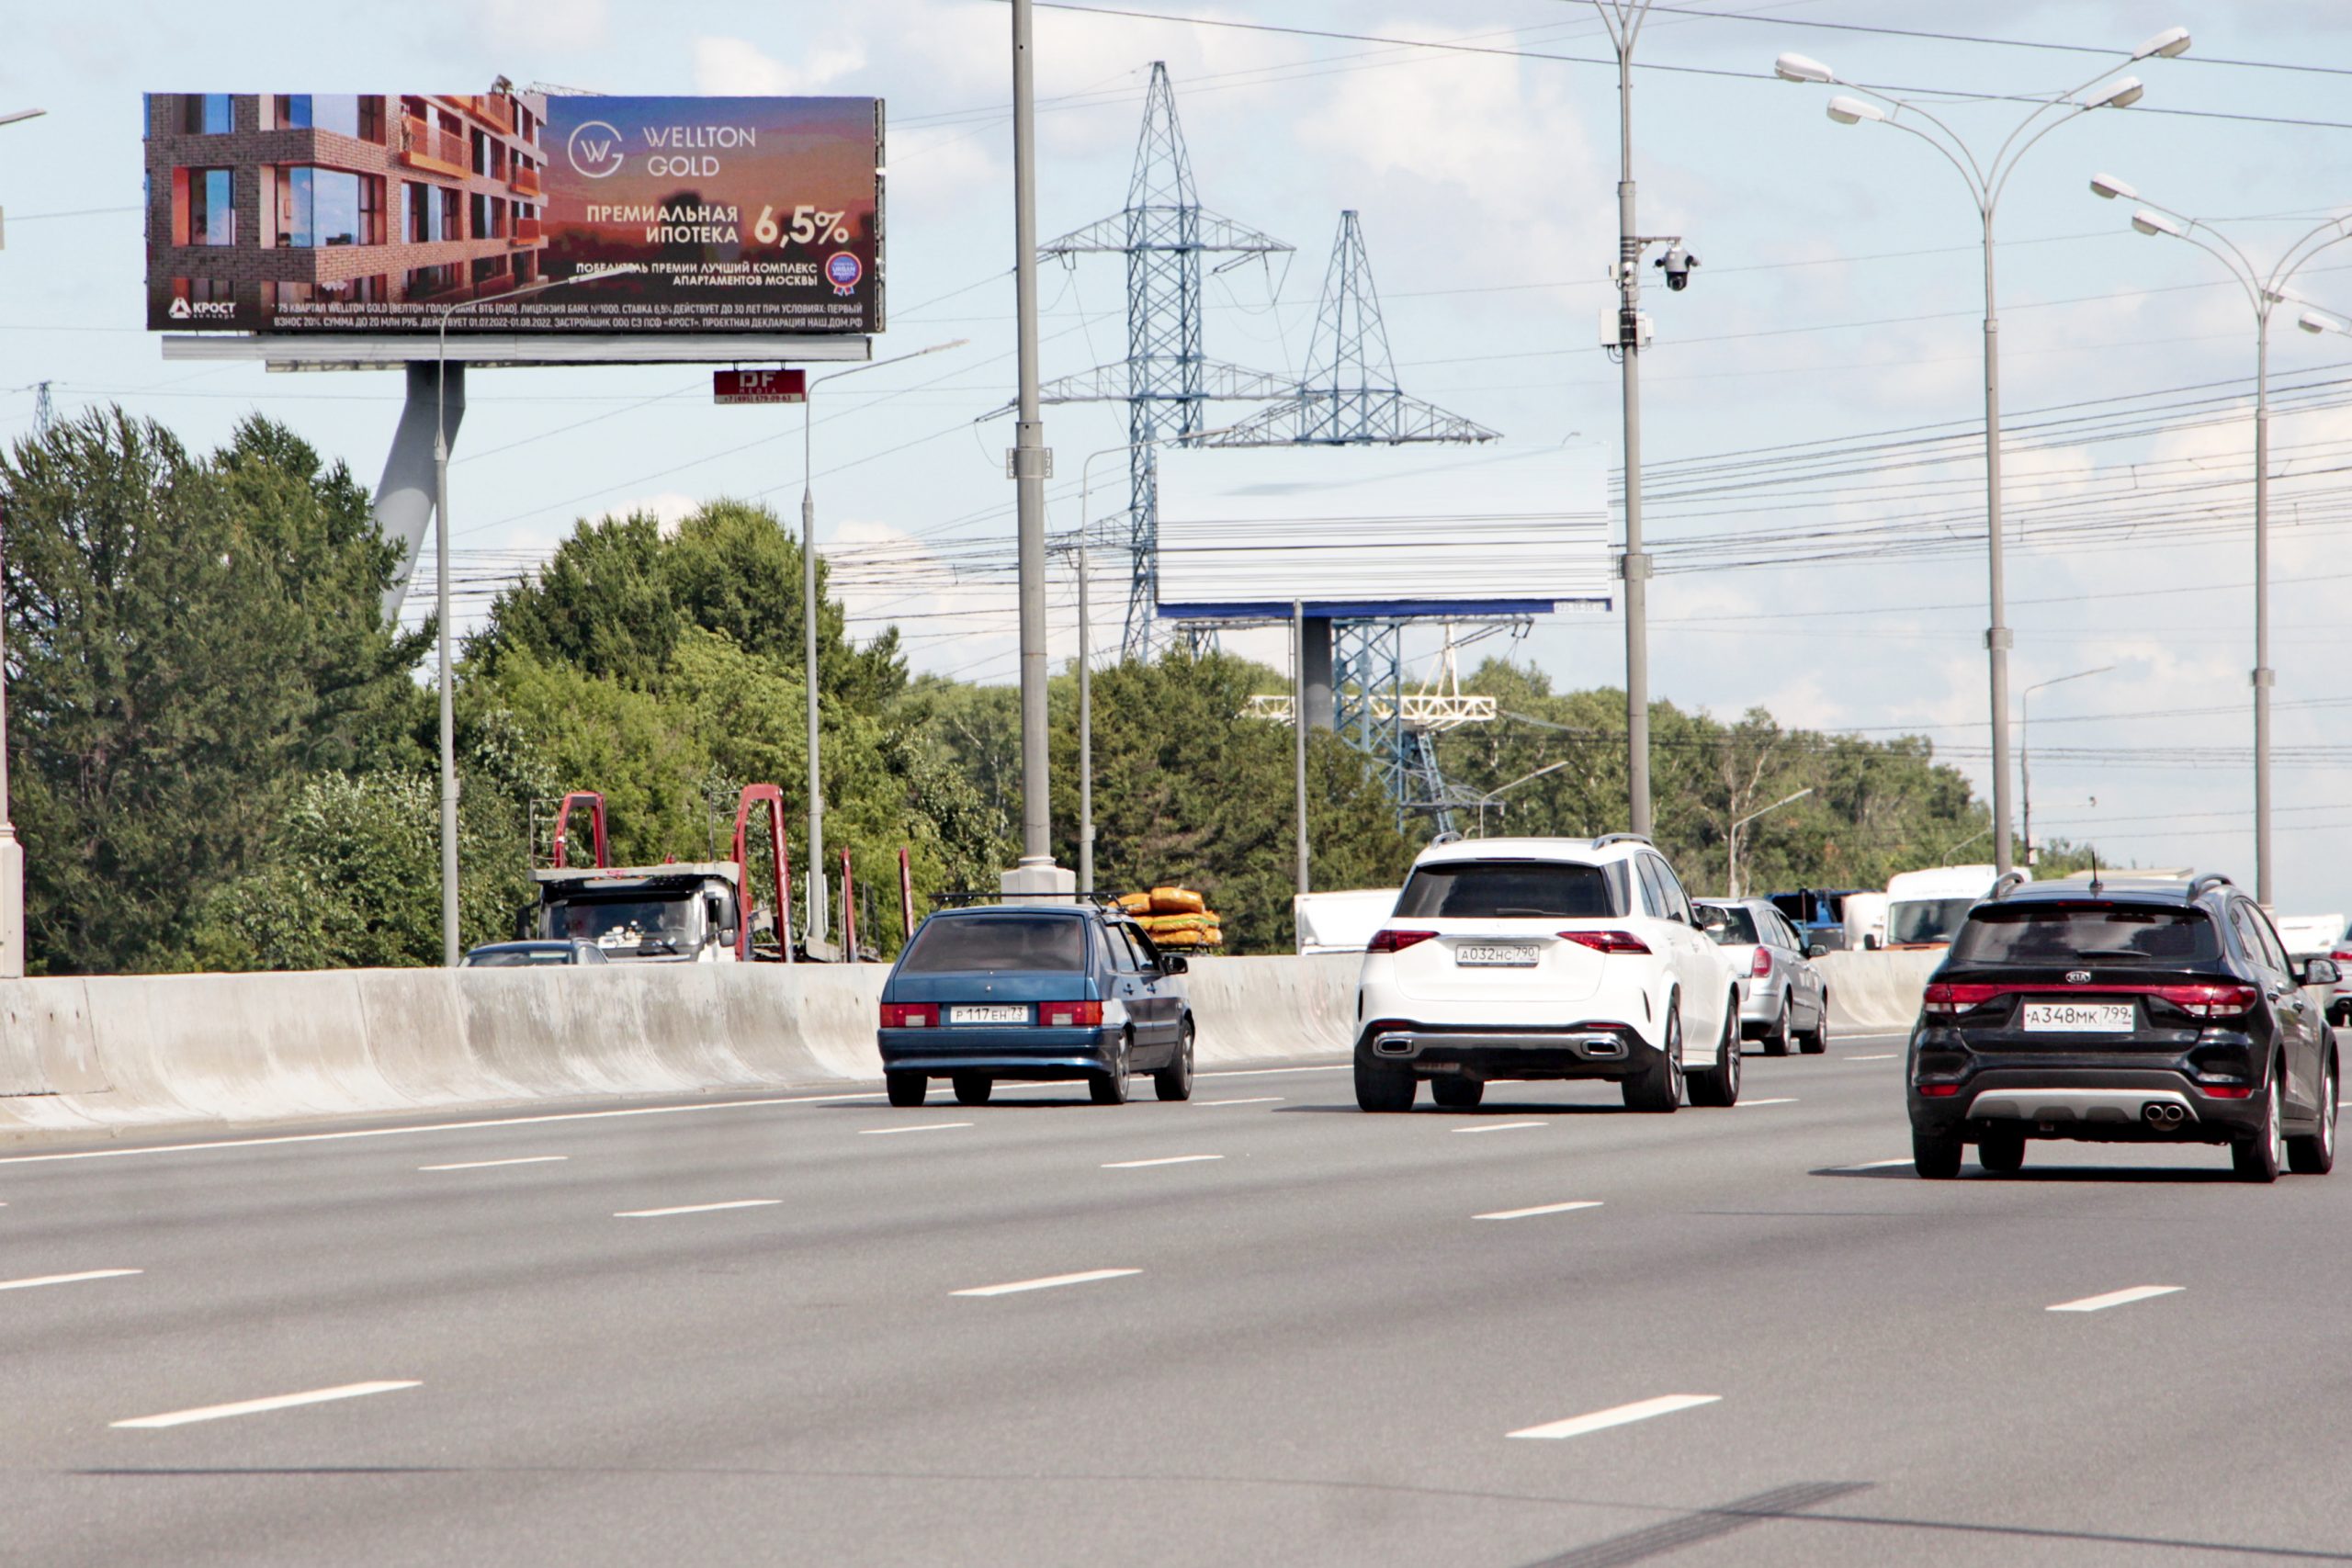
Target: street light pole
(2264, 291)
(1731, 878)
(2025, 745)
(1623, 19)
(814, 897)
(450, 935)
(1986, 179)
(12, 854)
(1029, 463)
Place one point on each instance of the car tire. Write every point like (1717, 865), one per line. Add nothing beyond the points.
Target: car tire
(1814, 1043)
(2002, 1152)
(1380, 1087)
(973, 1089)
(1458, 1093)
(2257, 1155)
(906, 1088)
(1657, 1088)
(1776, 1043)
(1935, 1155)
(2315, 1155)
(1719, 1085)
(1111, 1088)
(1174, 1081)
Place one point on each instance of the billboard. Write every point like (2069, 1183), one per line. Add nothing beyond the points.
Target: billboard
(1386, 531)
(296, 213)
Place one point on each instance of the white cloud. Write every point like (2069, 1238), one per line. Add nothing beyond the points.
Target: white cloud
(526, 24)
(735, 67)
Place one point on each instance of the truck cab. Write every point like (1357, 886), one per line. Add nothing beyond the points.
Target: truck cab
(1925, 908)
(685, 912)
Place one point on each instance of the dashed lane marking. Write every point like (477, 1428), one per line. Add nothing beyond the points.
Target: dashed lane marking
(1502, 1126)
(1618, 1415)
(1167, 1159)
(1050, 1281)
(1875, 1165)
(1876, 1056)
(925, 1127)
(1783, 1099)
(257, 1407)
(2117, 1297)
(697, 1209)
(492, 1164)
(1255, 1100)
(39, 1280)
(1540, 1209)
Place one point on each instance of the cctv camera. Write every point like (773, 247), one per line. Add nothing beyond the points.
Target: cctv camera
(1678, 264)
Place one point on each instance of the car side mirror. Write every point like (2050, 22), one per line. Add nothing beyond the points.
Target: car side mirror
(2320, 972)
(523, 922)
(1173, 963)
(727, 935)
(1818, 950)
(1870, 943)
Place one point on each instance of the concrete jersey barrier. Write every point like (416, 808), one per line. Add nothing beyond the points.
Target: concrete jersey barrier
(1879, 992)
(85, 1053)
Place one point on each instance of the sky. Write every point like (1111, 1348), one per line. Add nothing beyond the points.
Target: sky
(1812, 405)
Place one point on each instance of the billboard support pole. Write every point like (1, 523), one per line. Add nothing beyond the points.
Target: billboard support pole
(403, 503)
(1029, 461)
(1299, 729)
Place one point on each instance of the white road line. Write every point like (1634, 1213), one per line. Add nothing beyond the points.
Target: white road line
(1878, 1056)
(1600, 1420)
(1784, 1099)
(439, 1127)
(67, 1278)
(1258, 1099)
(488, 1163)
(1502, 1126)
(697, 1209)
(257, 1406)
(1273, 1072)
(926, 1127)
(1171, 1160)
(1875, 1165)
(2117, 1298)
(1540, 1209)
(1049, 1282)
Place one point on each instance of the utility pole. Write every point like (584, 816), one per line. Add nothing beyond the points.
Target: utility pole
(1030, 464)
(1299, 729)
(1623, 19)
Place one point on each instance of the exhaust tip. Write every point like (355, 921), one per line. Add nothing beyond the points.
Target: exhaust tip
(2161, 1113)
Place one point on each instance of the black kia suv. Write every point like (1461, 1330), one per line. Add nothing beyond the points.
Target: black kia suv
(2123, 1012)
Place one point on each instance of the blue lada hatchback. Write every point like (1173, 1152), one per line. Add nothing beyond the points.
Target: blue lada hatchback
(1038, 993)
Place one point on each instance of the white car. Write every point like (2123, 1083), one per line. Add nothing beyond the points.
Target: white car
(1546, 958)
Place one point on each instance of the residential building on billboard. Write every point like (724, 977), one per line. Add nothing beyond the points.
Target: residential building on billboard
(261, 207)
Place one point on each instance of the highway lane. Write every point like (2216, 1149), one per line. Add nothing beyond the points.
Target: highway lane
(1721, 1337)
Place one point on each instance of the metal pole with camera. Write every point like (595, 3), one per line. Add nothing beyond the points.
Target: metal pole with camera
(2263, 291)
(1986, 179)
(1624, 332)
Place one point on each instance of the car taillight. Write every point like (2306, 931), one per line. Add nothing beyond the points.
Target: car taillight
(909, 1015)
(1762, 965)
(1939, 1090)
(1944, 1000)
(2210, 1001)
(1069, 1015)
(2341, 957)
(1396, 940)
(1607, 942)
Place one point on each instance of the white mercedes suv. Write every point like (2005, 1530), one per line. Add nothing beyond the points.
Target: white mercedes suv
(1546, 958)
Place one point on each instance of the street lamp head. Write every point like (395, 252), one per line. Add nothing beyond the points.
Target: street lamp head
(2150, 222)
(2110, 187)
(2319, 322)
(1851, 111)
(2119, 94)
(2169, 44)
(1802, 68)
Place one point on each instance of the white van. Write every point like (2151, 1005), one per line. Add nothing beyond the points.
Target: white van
(1925, 908)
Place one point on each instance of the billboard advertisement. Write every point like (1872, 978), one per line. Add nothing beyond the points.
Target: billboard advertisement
(1383, 531)
(296, 213)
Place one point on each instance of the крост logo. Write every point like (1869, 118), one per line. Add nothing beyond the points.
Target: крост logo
(595, 149)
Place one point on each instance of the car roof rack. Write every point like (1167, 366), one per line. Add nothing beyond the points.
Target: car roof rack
(2009, 883)
(2197, 884)
(965, 899)
(1605, 839)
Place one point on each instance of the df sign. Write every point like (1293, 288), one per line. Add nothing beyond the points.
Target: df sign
(760, 385)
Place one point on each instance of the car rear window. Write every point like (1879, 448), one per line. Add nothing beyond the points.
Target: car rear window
(519, 958)
(1508, 889)
(1738, 929)
(997, 941)
(2156, 938)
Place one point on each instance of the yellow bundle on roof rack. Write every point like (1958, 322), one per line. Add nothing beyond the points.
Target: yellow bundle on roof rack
(1176, 901)
(1163, 925)
(1135, 903)
(1193, 938)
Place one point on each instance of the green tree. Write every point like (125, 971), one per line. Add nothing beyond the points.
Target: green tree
(188, 639)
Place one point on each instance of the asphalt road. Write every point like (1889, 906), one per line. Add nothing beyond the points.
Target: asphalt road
(764, 1333)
